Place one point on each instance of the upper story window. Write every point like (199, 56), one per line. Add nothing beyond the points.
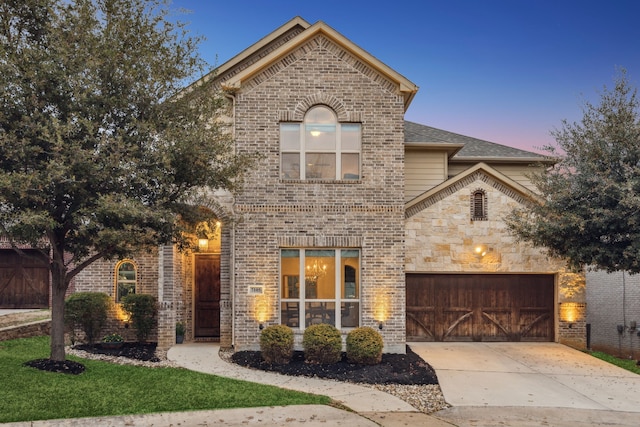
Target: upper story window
(479, 205)
(126, 279)
(320, 147)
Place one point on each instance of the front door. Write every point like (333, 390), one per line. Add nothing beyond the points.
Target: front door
(207, 296)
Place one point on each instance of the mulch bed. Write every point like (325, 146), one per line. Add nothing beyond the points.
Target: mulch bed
(408, 369)
(145, 352)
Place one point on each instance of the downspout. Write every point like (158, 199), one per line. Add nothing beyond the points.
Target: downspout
(232, 261)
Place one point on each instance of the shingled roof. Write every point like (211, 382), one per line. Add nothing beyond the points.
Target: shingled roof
(472, 149)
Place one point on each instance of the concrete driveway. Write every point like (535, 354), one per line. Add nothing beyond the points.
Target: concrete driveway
(531, 378)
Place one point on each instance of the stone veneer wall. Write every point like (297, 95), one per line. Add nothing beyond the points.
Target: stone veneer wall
(440, 237)
(614, 299)
(366, 214)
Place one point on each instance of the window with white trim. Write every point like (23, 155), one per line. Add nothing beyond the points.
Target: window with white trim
(320, 286)
(126, 279)
(320, 147)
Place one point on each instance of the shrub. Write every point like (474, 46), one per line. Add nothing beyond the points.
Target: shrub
(113, 338)
(364, 346)
(322, 344)
(142, 310)
(180, 329)
(87, 311)
(276, 344)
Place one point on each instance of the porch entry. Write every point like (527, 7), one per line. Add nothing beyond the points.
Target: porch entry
(207, 296)
(480, 307)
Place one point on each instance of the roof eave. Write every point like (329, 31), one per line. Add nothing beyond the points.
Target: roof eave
(499, 159)
(405, 86)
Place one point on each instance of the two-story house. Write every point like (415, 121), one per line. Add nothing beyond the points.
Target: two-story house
(352, 216)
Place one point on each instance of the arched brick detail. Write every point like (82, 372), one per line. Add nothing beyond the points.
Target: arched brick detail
(320, 98)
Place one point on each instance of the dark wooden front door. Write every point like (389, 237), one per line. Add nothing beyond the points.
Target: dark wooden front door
(24, 280)
(207, 296)
(480, 307)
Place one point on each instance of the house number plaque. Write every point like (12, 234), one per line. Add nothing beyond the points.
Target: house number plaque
(256, 290)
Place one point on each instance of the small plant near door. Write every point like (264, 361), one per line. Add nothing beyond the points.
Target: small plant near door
(143, 310)
(180, 330)
(112, 341)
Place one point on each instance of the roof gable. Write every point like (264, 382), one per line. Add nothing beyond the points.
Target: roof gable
(479, 171)
(405, 87)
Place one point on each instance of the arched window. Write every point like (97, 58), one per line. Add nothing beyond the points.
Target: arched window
(126, 279)
(479, 205)
(320, 147)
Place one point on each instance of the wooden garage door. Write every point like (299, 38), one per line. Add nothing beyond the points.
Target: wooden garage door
(480, 307)
(24, 281)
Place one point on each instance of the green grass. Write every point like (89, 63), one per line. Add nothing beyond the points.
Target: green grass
(628, 364)
(108, 389)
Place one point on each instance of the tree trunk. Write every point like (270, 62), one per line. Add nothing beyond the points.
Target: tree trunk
(58, 291)
(59, 287)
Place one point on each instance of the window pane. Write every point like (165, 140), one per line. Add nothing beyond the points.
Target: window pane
(320, 166)
(320, 274)
(320, 137)
(126, 280)
(350, 314)
(350, 166)
(125, 289)
(289, 136)
(320, 129)
(290, 312)
(290, 270)
(290, 168)
(350, 136)
(350, 260)
(319, 114)
(319, 312)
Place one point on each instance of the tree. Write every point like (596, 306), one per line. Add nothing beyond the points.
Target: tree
(102, 151)
(590, 207)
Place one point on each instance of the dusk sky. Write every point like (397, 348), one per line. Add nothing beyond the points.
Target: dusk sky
(507, 71)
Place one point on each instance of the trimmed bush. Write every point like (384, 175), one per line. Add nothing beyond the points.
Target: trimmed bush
(364, 346)
(142, 310)
(86, 311)
(276, 344)
(322, 344)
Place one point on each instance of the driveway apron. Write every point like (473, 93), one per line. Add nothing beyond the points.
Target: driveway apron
(529, 375)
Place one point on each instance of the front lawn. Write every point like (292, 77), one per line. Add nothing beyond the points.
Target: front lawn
(108, 389)
(628, 364)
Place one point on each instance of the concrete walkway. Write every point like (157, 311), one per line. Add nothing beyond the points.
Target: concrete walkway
(369, 404)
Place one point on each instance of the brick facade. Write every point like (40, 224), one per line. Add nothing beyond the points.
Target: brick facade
(613, 300)
(309, 68)
(100, 277)
(365, 214)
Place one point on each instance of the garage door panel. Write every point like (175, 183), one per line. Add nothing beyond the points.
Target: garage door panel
(477, 307)
(457, 325)
(421, 319)
(24, 280)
